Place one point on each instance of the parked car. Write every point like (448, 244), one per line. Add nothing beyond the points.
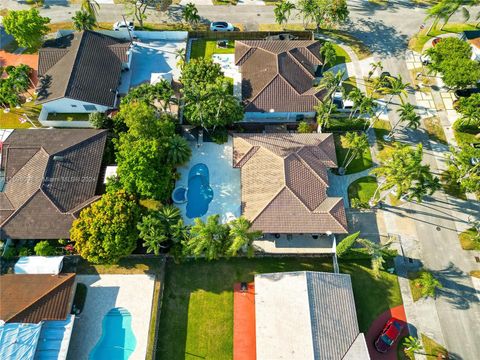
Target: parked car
(390, 333)
(124, 25)
(436, 41)
(466, 92)
(221, 26)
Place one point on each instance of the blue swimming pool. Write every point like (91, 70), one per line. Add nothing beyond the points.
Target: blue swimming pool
(199, 193)
(118, 341)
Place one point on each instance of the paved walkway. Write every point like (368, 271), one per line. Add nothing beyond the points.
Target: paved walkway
(338, 185)
(397, 312)
(244, 346)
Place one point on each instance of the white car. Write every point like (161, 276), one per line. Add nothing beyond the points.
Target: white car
(221, 26)
(123, 25)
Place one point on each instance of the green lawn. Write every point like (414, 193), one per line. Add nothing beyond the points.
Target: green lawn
(67, 117)
(414, 289)
(362, 163)
(432, 349)
(197, 310)
(418, 41)
(11, 120)
(467, 240)
(435, 130)
(342, 56)
(464, 138)
(362, 189)
(206, 48)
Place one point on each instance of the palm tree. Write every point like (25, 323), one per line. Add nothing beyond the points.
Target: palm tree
(152, 231)
(412, 344)
(169, 215)
(407, 115)
(82, 20)
(373, 67)
(428, 284)
(190, 14)
(241, 237)
(282, 11)
(180, 55)
(394, 87)
(178, 151)
(208, 238)
(377, 253)
(91, 7)
(356, 143)
(324, 110)
(329, 54)
(357, 97)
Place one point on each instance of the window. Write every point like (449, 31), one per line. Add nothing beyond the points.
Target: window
(73, 106)
(90, 107)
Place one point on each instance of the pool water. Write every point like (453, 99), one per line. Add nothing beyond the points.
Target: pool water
(199, 193)
(118, 341)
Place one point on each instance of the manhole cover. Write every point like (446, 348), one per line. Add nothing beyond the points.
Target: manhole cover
(477, 259)
(438, 228)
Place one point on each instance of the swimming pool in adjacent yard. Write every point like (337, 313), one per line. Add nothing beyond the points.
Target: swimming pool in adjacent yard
(118, 341)
(199, 193)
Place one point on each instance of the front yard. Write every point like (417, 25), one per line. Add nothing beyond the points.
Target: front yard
(361, 191)
(361, 163)
(197, 309)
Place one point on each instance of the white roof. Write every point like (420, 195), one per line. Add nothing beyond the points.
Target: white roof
(306, 315)
(39, 265)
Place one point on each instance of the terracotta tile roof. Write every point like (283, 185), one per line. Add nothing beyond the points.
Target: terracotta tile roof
(33, 298)
(284, 181)
(83, 66)
(51, 174)
(279, 74)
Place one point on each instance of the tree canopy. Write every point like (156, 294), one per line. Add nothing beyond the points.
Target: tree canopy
(324, 13)
(106, 231)
(26, 26)
(469, 108)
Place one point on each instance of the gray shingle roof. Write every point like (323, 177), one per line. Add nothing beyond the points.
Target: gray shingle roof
(318, 306)
(83, 66)
(51, 174)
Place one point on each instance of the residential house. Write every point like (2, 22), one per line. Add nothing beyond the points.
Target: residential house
(298, 315)
(279, 78)
(35, 319)
(473, 37)
(284, 183)
(80, 72)
(47, 176)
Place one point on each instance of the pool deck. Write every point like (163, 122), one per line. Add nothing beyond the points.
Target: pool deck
(133, 292)
(224, 180)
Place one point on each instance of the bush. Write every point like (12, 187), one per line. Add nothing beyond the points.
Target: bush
(45, 248)
(468, 126)
(345, 124)
(358, 204)
(304, 127)
(362, 254)
(25, 251)
(220, 136)
(99, 120)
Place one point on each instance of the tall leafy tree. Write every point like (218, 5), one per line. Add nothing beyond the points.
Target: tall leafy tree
(159, 95)
(405, 173)
(190, 14)
(282, 11)
(106, 231)
(82, 20)
(138, 8)
(463, 168)
(469, 108)
(27, 27)
(324, 13)
(241, 237)
(461, 73)
(344, 246)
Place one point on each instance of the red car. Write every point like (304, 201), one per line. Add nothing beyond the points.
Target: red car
(390, 333)
(436, 41)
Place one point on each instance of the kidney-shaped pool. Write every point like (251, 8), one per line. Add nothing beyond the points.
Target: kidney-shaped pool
(199, 193)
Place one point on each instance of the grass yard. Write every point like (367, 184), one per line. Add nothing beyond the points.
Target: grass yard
(362, 190)
(464, 138)
(381, 129)
(197, 311)
(11, 120)
(467, 240)
(206, 48)
(435, 130)
(432, 349)
(67, 117)
(417, 42)
(362, 163)
(126, 265)
(414, 289)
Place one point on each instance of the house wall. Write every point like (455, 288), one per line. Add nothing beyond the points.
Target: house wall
(64, 105)
(276, 117)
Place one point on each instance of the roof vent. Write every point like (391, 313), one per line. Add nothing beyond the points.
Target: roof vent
(58, 158)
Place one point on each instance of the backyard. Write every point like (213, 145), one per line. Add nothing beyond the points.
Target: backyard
(11, 120)
(197, 310)
(206, 48)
